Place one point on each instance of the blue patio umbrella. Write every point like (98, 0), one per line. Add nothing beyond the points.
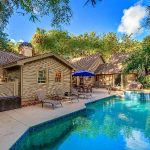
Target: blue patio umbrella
(83, 73)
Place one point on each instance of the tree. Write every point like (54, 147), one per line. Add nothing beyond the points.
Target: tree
(59, 9)
(85, 44)
(69, 45)
(128, 44)
(109, 44)
(139, 60)
(3, 41)
(65, 44)
(148, 17)
(51, 41)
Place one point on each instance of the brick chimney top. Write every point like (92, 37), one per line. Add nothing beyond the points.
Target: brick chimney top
(26, 49)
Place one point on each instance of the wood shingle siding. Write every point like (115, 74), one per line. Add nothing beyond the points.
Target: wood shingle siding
(30, 74)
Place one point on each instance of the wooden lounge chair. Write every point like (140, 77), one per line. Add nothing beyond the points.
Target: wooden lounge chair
(41, 96)
(78, 94)
(67, 97)
(72, 97)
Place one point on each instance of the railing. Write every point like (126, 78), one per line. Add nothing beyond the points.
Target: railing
(9, 88)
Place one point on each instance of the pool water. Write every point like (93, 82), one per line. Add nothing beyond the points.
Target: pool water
(112, 123)
(137, 95)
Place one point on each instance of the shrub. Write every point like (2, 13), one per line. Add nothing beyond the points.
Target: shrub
(145, 81)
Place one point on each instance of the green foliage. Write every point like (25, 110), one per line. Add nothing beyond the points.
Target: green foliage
(148, 18)
(68, 45)
(139, 60)
(59, 9)
(145, 80)
(146, 40)
(3, 41)
(65, 44)
(5, 13)
(109, 43)
(128, 44)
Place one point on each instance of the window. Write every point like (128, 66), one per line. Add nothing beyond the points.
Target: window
(42, 76)
(58, 76)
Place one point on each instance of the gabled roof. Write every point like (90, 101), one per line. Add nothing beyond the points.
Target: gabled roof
(36, 58)
(114, 65)
(119, 57)
(89, 63)
(109, 68)
(8, 57)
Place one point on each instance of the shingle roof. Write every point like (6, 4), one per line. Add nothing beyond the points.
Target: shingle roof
(8, 57)
(108, 68)
(24, 60)
(114, 65)
(119, 57)
(89, 63)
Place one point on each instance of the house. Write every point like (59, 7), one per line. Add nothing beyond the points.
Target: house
(111, 73)
(88, 63)
(107, 74)
(7, 58)
(48, 71)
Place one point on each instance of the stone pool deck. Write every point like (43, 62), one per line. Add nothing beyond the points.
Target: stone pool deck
(14, 123)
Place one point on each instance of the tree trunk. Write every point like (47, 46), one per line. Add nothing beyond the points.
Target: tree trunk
(146, 71)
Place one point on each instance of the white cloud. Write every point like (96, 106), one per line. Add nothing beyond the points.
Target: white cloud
(14, 41)
(137, 141)
(131, 20)
(21, 41)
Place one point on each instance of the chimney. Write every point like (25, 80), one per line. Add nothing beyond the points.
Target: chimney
(26, 49)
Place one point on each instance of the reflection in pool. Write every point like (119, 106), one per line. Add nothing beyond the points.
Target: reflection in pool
(114, 123)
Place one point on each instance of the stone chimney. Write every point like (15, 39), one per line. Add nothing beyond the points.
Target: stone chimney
(26, 49)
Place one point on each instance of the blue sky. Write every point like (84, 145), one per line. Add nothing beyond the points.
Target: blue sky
(107, 16)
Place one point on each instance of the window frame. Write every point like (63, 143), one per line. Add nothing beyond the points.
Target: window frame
(58, 79)
(42, 69)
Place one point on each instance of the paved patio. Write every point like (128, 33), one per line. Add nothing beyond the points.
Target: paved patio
(14, 123)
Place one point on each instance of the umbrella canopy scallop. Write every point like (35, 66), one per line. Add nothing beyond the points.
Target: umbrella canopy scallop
(83, 73)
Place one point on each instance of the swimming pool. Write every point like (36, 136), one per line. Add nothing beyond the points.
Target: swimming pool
(111, 123)
(137, 95)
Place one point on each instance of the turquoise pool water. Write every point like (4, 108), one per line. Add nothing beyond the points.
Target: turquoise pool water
(113, 123)
(137, 95)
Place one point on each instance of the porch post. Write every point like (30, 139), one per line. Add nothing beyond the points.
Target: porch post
(16, 86)
(122, 81)
(71, 81)
(113, 78)
(21, 81)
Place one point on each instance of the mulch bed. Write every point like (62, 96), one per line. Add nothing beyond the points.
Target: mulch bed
(29, 103)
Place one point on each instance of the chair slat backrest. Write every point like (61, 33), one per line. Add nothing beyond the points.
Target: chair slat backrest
(74, 91)
(41, 94)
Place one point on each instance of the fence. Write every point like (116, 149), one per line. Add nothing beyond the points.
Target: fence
(9, 88)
